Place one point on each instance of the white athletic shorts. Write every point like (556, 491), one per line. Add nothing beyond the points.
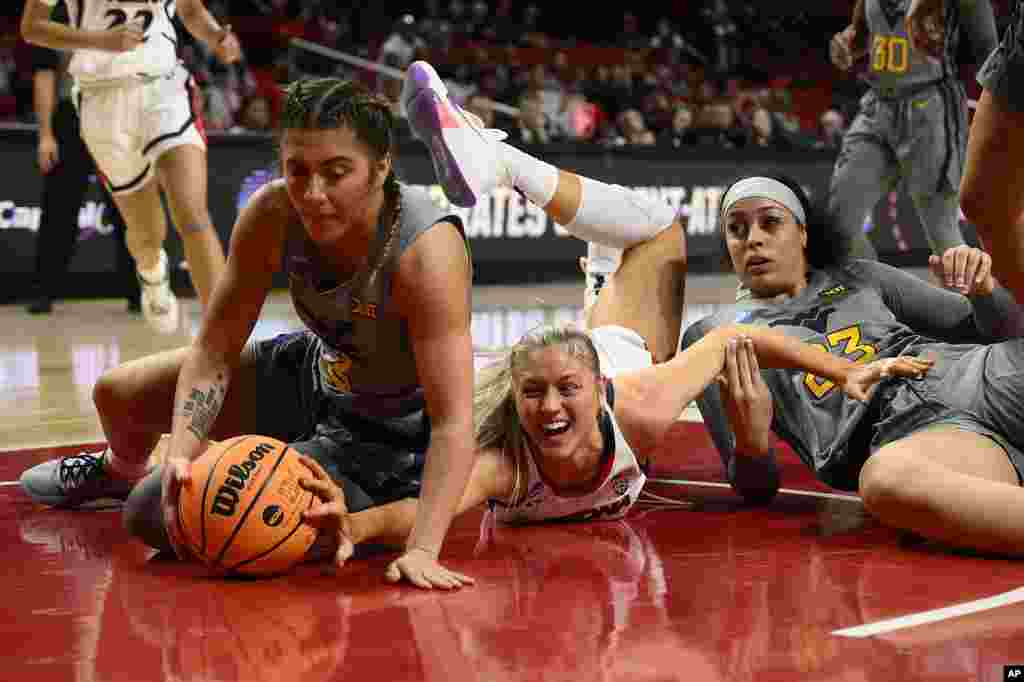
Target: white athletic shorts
(128, 124)
(620, 350)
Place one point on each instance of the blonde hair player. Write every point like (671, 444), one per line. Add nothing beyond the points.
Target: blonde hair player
(134, 100)
(568, 421)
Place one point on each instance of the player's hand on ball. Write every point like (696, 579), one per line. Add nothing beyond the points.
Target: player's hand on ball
(421, 568)
(330, 517)
(964, 269)
(862, 379)
(175, 474)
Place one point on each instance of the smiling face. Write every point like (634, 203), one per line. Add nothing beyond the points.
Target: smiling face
(333, 181)
(767, 247)
(557, 396)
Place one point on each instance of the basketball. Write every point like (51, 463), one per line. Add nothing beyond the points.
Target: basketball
(242, 511)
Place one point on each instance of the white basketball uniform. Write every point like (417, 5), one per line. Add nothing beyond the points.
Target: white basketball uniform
(620, 349)
(133, 106)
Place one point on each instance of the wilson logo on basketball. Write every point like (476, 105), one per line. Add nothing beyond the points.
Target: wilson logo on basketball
(273, 516)
(226, 500)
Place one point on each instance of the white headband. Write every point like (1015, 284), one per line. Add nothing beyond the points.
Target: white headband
(764, 188)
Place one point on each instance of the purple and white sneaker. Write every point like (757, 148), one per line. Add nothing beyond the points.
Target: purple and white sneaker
(465, 155)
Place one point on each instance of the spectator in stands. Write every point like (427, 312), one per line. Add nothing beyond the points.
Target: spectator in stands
(547, 89)
(598, 87)
(763, 132)
(717, 125)
(630, 36)
(675, 47)
(578, 119)
(658, 110)
(402, 45)
(831, 126)
(680, 133)
(215, 106)
(532, 126)
(726, 34)
(482, 107)
(478, 22)
(633, 130)
(254, 115)
(530, 34)
(622, 91)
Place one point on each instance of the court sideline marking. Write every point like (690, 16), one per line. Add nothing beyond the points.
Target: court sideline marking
(788, 491)
(935, 615)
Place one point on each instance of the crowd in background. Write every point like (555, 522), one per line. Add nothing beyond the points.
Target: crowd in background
(718, 73)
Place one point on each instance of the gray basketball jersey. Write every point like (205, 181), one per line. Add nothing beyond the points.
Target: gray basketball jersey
(894, 66)
(365, 360)
(864, 311)
(892, 63)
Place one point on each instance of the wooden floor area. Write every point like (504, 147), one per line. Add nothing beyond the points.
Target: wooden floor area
(49, 363)
(807, 588)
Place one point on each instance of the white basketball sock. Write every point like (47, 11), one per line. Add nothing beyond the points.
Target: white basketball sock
(602, 262)
(156, 274)
(536, 179)
(616, 216)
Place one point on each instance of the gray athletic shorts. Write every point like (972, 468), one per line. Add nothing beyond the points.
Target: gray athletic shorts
(970, 387)
(382, 457)
(1002, 74)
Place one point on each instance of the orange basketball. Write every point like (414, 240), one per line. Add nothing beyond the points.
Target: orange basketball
(242, 511)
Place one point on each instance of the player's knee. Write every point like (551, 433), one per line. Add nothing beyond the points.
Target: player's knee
(194, 222)
(885, 481)
(142, 516)
(106, 392)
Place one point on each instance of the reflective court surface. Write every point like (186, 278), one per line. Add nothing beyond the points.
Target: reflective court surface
(808, 588)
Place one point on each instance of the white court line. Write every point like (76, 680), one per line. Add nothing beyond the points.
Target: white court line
(788, 491)
(925, 617)
(42, 445)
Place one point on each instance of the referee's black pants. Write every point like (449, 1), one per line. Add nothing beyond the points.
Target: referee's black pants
(64, 189)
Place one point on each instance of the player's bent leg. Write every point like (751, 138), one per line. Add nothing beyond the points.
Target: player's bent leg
(471, 161)
(182, 172)
(646, 293)
(950, 485)
(135, 402)
(992, 188)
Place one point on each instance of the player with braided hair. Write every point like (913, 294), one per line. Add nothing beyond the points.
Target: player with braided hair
(381, 278)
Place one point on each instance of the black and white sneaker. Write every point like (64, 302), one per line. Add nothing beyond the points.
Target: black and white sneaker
(72, 481)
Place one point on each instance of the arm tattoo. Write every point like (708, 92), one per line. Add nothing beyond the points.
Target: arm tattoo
(202, 408)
